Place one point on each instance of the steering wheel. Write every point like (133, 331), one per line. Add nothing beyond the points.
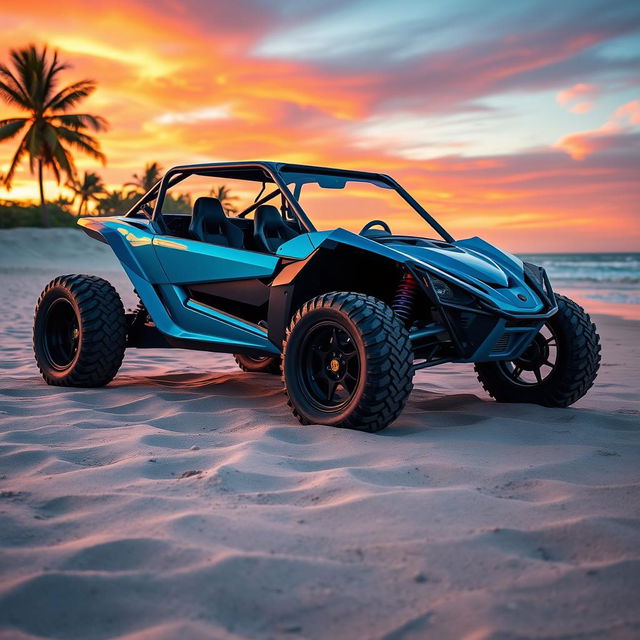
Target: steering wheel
(374, 223)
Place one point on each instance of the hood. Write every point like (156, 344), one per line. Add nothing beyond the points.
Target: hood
(499, 275)
(457, 261)
(490, 272)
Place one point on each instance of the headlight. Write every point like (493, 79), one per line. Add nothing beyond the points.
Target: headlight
(442, 289)
(449, 292)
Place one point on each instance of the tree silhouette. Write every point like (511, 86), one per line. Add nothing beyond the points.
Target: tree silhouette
(150, 176)
(89, 189)
(51, 131)
(223, 193)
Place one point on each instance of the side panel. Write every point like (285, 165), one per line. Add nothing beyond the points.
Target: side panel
(175, 316)
(191, 261)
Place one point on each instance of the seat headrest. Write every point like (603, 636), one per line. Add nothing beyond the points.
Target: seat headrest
(208, 208)
(268, 216)
(270, 230)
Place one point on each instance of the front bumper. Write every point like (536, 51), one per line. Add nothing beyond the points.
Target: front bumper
(482, 332)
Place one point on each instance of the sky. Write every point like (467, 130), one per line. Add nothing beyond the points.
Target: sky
(516, 121)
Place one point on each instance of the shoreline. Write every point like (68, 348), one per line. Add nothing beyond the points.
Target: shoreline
(593, 306)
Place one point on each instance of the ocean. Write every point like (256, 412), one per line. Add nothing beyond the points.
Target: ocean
(607, 277)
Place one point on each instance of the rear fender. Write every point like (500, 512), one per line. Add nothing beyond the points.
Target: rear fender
(132, 245)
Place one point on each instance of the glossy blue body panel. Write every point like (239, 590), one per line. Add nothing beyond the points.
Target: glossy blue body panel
(192, 261)
(473, 264)
(160, 267)
(146, 262)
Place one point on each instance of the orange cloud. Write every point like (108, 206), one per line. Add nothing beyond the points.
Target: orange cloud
(580, 145)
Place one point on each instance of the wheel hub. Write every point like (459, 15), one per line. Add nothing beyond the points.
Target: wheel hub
(335, 365)
(62, 334)
(330, 365)
(536, 354)
(537, 362)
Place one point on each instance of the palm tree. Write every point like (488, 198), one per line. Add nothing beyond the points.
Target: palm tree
(223, 193)
(150, 177)
(89, 189)
(51, 130)
(114, 203)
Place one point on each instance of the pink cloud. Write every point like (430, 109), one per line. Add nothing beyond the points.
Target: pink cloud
(582, 107)
(630, 111)
(577, 92)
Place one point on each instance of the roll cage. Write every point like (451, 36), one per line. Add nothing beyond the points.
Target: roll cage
(267, 173)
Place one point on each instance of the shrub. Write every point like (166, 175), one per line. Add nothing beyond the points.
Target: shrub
(16, 214)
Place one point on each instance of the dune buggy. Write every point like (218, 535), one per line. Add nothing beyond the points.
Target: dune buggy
(325, 276)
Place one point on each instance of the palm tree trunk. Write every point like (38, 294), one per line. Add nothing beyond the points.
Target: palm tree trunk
(44, 212)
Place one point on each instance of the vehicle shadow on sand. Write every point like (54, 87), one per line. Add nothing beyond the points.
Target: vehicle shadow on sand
(264, 394)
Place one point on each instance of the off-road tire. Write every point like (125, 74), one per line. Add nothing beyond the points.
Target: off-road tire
(101, 333)
(578, 361)
(384, 354)
(252, 364)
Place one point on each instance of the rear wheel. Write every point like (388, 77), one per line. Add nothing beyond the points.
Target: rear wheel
(258, 364)
(347, 362)
(79, 332)
(556, 370)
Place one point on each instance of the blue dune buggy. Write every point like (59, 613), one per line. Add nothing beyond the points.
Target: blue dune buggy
(325, 276)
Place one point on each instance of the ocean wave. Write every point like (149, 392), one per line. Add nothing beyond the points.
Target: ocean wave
(599, 279)
(621, 270)
(614, 296)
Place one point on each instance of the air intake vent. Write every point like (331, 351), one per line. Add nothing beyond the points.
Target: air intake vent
(502, 344)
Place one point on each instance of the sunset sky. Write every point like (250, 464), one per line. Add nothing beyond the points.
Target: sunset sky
(517, 121)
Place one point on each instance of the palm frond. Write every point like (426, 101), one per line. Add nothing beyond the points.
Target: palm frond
(11, 127)
(17, 157)
(35, 72)
(50, 80)
(64, 161)
(81, 141)
(26, 66)
(33, 144)
(80, 121)
(71, 95)
(10, 90)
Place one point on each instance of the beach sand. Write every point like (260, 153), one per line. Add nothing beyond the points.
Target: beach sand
(184, 501)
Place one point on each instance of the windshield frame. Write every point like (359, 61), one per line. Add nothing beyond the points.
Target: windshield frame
(362, 176)
(277, 172)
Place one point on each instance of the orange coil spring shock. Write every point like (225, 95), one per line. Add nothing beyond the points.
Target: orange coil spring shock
(405, 297)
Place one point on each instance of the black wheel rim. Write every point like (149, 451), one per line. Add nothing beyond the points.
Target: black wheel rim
(61, 334)
(537, 363)
(329, 366)
(257, 359)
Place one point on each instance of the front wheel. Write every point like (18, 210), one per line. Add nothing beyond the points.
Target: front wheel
(347, 362)
(558, 367)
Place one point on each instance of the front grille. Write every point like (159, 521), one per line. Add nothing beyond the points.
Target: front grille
(521, 323)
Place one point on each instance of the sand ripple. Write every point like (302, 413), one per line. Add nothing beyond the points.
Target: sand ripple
(182, 501)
